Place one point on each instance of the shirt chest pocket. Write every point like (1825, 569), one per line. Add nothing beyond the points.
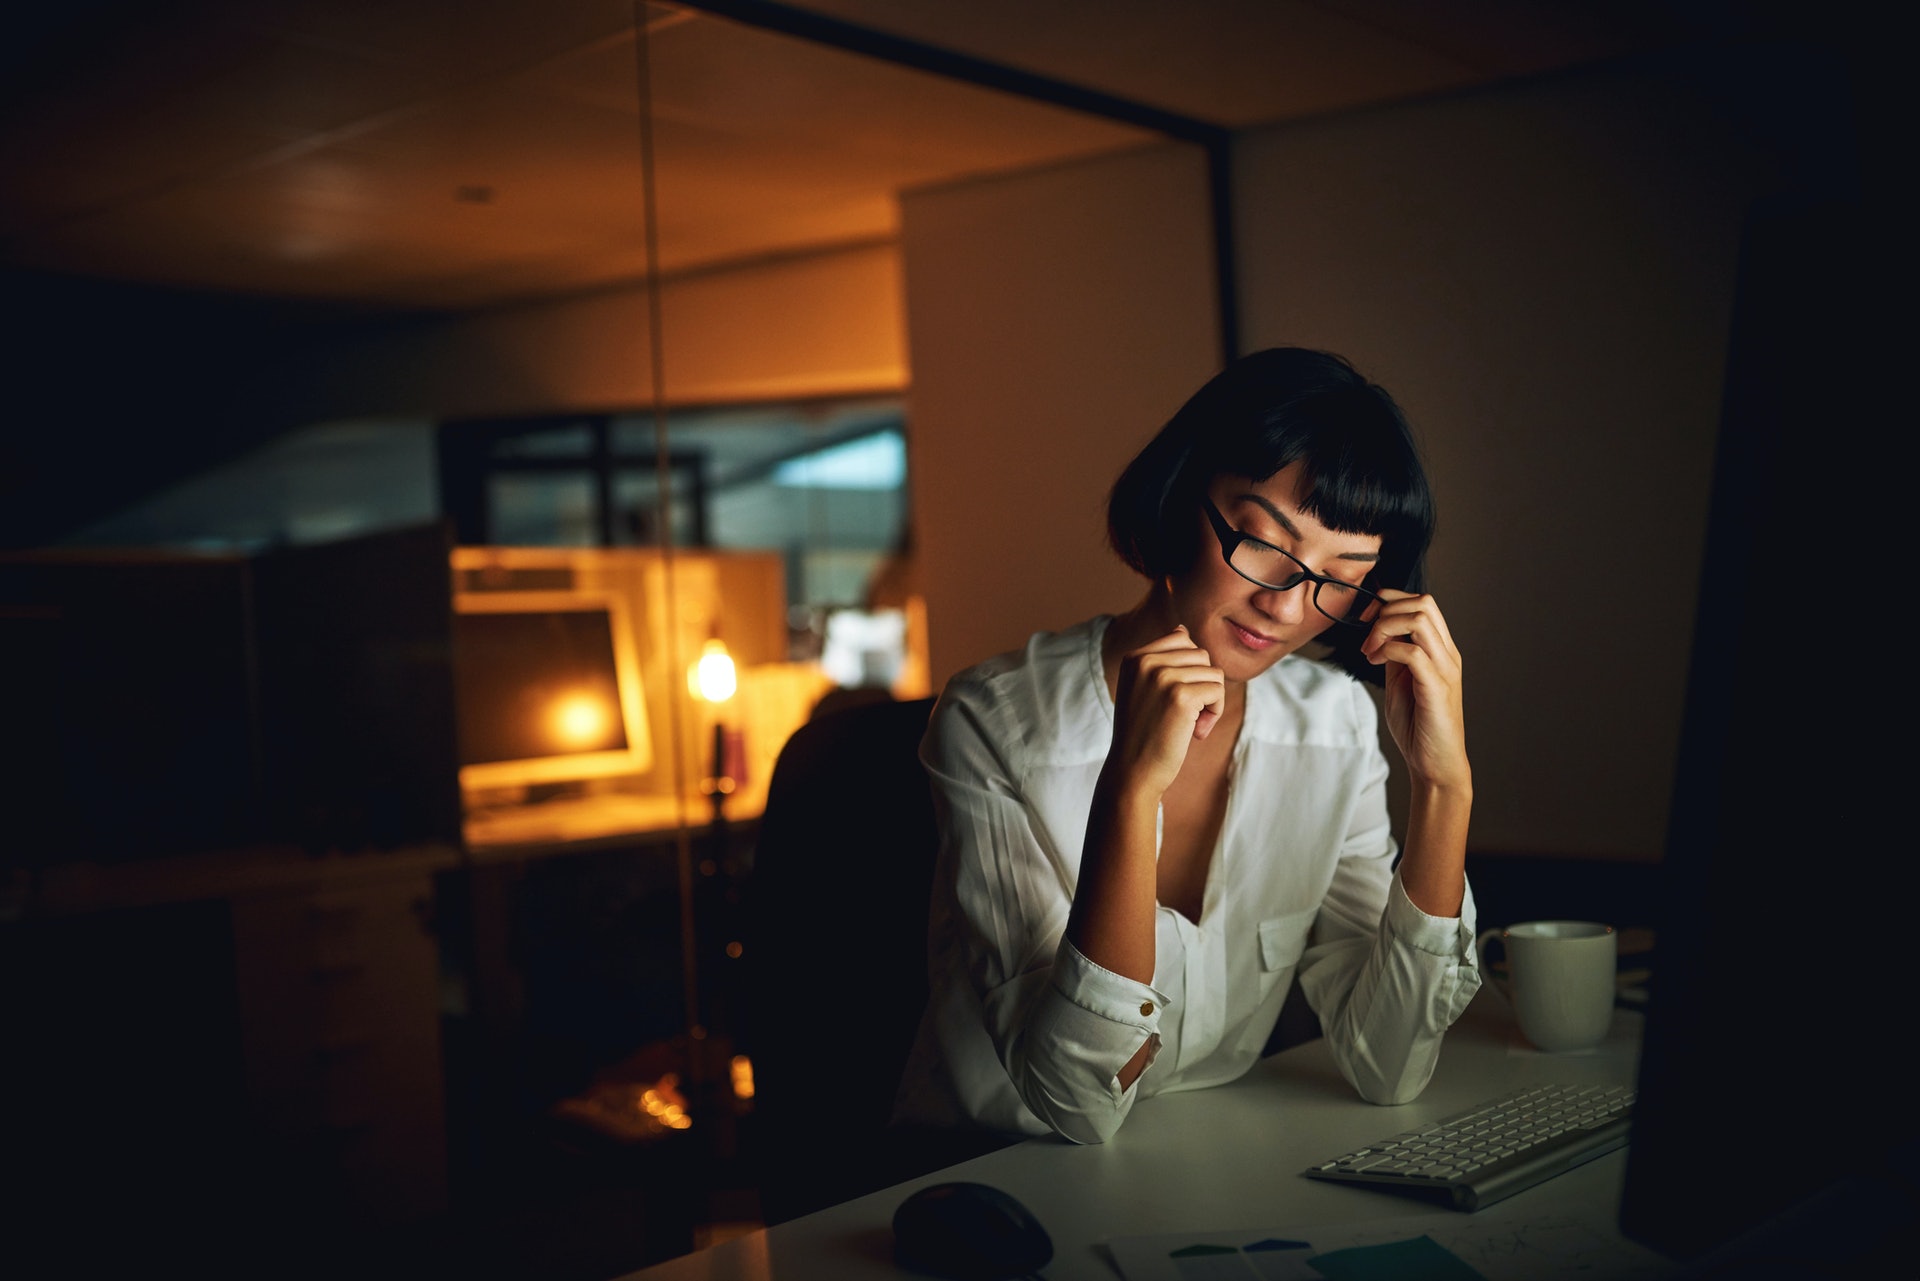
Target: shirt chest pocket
(1282, 940)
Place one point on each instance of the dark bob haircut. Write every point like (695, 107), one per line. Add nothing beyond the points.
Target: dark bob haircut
(1262, 412)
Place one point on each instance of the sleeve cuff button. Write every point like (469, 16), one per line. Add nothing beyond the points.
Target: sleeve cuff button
(1146, 1007)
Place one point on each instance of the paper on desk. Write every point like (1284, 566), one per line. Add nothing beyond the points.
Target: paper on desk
(1500, 1244)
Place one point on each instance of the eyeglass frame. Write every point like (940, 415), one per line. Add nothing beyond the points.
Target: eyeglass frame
(1230, 540)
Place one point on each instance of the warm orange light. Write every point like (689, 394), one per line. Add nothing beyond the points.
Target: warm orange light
(742, 1077)
(631, 1110)
(713, 678)
(664, 1104)
(580, 718)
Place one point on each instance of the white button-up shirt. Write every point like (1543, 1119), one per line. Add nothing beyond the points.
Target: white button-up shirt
(1023, 1033)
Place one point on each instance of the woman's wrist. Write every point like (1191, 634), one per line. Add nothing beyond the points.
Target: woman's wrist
(1456, 794)
(1433, 861)
(1121, 805)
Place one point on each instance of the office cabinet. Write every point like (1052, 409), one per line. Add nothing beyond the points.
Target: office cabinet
(339, 1032)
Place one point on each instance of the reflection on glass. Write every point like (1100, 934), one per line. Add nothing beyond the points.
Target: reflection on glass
(878, 462)
(636, 500)
(821, 484)
(542, 509)
(865, 648)
(557, 442)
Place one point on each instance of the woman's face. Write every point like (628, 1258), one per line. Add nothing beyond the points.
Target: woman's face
(1244, 627)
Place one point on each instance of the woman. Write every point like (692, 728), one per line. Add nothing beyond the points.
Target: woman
(1152, 823)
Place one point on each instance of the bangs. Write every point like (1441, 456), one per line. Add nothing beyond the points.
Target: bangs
(1359, 472)
(1264, 411)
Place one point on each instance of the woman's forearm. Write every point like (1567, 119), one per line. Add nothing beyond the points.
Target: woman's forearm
(1114, 904)
(1433, 866)
(1112, 920)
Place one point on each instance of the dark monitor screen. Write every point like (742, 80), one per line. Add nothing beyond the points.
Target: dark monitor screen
(1772, 1104)
(547, 689)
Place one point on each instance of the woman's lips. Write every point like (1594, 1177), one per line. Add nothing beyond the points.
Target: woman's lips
(1252, 640)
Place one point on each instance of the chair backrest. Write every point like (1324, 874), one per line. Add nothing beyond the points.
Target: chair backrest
(834, 956)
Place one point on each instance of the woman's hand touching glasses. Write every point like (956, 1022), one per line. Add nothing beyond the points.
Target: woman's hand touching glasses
(1425, 715)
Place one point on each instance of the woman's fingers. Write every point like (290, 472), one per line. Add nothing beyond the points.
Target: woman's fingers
(1185, 682)
(1173, 640)
(1173, 660)
(1411, 632)
(1175, 647)
(1193, 688)
(1414, 620)
(1409, 636)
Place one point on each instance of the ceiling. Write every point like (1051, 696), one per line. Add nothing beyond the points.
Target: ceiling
(449, 154)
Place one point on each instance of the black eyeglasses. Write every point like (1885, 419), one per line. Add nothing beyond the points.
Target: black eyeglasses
(1269, 567)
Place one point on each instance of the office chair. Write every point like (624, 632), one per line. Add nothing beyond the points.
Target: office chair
(835, 959)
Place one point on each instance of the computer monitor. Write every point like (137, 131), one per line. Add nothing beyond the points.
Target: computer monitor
(547, 689)
(1774, 1077)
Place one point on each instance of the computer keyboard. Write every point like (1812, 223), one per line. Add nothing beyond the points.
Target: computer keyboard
(1494, 1149)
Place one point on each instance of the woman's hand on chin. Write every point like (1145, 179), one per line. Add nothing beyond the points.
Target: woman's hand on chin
(1169, 694)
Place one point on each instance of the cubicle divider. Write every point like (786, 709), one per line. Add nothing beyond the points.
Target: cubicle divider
(235, 840)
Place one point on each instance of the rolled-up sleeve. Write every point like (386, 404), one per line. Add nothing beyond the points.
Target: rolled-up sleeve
(1061, 1026)
(1082, 1031)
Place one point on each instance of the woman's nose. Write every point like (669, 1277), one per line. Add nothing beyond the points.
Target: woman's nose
(1288, 606)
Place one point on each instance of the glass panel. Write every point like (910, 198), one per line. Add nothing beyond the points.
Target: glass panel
(636, 503)
(823, 485)
(556, 442)
(542, 509)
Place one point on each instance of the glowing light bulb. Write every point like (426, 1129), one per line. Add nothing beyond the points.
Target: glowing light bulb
(712, 678)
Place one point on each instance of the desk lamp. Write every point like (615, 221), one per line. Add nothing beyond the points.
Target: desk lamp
(712, 680)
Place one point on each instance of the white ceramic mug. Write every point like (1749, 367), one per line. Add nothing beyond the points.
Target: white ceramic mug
(1559, 980)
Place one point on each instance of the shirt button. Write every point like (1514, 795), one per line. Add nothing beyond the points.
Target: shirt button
(1146, 1007)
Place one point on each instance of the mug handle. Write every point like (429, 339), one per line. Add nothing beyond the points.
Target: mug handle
(1486, 971)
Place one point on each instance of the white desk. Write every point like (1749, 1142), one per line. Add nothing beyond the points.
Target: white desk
(1208, 1160)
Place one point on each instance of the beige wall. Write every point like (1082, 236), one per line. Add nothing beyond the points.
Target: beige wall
(820, 324)
(1055, 320)
(1543, 276)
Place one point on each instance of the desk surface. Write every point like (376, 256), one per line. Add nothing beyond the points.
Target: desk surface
(582, 823)
(1227, 1158)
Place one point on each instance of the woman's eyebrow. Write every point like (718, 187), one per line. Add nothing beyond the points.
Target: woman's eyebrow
(1279, 517)
(1293, 531)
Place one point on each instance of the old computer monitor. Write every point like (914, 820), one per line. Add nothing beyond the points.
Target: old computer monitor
(548, 689)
